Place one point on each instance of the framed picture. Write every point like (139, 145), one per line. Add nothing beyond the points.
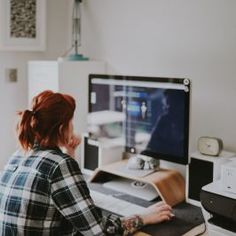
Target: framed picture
(22, 25)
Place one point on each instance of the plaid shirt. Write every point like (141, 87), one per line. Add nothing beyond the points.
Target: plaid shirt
(44, 193)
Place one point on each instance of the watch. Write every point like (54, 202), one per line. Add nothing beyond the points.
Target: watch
(210, 145)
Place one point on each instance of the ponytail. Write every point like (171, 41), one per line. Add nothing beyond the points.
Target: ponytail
(25, 131)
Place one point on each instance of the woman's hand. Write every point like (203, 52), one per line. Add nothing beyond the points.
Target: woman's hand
(71, 146)
(157, 213)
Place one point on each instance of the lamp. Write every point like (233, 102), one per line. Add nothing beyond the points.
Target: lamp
(76, 33)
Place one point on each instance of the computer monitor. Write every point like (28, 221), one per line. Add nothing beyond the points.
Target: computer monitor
(146, 115)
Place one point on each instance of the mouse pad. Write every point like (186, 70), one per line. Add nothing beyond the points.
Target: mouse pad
(186, 217)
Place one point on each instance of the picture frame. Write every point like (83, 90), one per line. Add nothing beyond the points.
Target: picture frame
(23, 25)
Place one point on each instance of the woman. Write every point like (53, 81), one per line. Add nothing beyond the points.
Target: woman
(42, 189)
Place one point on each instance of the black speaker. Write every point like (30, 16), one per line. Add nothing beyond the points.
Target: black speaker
(97, 154)
(90, 155)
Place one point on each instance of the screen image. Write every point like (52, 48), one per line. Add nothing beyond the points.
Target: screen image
(148, 116)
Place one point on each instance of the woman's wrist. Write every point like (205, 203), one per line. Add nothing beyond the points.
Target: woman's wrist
(144, 219)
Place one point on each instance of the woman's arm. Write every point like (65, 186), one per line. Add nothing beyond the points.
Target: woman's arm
(72, 198)
(155, 214)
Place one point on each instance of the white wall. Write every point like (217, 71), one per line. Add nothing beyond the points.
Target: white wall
(184, 38)
(13, 96)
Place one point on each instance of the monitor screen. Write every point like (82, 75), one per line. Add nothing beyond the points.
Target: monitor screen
(146, 115)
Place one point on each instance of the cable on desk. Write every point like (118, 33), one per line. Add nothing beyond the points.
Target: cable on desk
(202, 231)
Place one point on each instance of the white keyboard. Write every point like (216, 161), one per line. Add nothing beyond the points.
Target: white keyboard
(115, 205)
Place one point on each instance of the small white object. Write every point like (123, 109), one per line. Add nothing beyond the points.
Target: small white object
(228, 177)
(93, 98)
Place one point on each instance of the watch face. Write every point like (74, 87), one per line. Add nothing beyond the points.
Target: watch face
(209, 146)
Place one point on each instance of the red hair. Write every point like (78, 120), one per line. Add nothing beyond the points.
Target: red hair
(47, 122)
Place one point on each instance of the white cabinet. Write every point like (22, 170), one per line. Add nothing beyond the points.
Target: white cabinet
(42, 75)
(69, 77)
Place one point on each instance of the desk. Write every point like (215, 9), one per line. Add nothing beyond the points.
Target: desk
(187, 217)
(197, 230)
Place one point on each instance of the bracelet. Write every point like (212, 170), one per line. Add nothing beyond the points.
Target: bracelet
(132, 224)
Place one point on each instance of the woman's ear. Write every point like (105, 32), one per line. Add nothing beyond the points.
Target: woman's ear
(63, 134)
(60, 129)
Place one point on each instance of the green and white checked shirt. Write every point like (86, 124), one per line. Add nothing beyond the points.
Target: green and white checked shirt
(43, 193)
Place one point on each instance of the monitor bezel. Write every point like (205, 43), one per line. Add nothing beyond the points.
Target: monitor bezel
(175, 80)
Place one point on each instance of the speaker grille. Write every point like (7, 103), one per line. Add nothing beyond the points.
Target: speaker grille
(200, 174)
(90, 156)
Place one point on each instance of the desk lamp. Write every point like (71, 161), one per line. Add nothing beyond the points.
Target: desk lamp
(76, 33)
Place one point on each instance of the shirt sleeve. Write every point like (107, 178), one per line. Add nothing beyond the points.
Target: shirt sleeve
(71, 197)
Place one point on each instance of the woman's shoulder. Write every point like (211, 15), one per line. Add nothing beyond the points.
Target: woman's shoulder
(45, 160)
(50, 158)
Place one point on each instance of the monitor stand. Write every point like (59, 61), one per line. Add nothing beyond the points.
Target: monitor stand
(131, 187)
(169, 184)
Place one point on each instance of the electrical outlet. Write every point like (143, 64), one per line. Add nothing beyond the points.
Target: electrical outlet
(11, 74)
